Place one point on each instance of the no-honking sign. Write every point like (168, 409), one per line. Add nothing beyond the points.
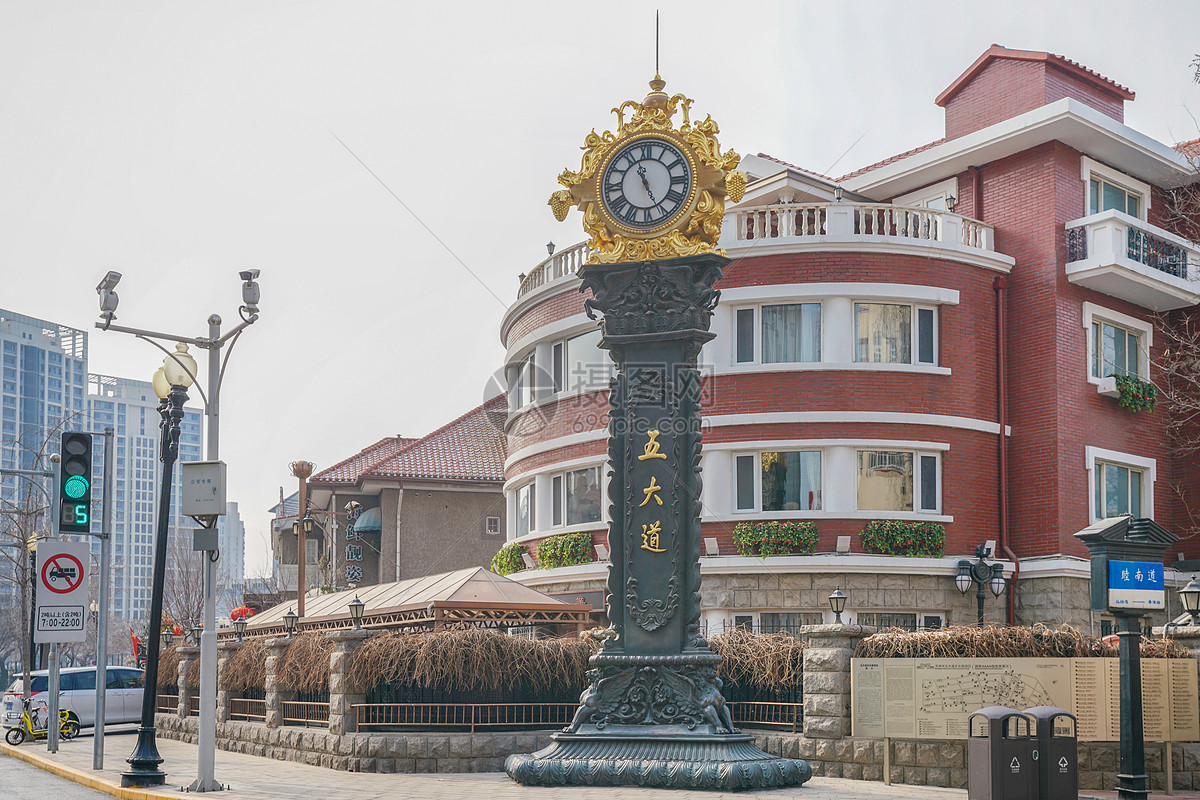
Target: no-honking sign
(62, 591)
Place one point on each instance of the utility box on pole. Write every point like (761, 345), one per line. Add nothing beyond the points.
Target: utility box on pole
(203, 488)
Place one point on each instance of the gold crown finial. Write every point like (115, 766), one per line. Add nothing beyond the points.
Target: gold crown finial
(657, 97)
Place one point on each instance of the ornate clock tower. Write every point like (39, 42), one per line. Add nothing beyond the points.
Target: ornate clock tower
(653, 198)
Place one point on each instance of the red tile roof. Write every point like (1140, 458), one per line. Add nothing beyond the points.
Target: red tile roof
(1190, 148)
(347, 471)
(471, 448)
(1062, 62)
(793, 166)
(890, 159)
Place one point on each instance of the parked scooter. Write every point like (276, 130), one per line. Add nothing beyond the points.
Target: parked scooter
(33, 727)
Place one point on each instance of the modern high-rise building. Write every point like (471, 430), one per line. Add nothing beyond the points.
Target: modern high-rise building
(231, 569)
(45, 389)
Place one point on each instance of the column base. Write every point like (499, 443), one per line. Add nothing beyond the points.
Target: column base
(729, 762)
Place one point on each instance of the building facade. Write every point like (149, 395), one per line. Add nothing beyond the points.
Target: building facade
(406, 507)
(936, 338)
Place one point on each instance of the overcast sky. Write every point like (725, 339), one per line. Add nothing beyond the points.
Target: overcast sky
(179, 143)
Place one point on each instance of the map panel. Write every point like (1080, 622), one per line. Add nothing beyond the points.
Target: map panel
(931, 698)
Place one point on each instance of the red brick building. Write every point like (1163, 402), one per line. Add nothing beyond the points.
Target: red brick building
(930, 339)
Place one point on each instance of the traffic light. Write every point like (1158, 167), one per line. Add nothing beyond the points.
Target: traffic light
(75, 483)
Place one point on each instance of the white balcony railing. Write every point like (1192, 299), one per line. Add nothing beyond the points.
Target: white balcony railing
(1122, 256)
(564, 262)
(836, 220)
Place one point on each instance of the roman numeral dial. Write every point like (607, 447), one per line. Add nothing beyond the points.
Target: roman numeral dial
(646, 183)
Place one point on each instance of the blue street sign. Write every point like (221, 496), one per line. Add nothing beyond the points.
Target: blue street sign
(1136, 585)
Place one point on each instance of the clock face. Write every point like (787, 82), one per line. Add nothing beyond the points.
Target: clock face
(646, 183)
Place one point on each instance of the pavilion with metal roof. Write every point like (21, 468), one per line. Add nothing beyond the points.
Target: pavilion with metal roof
(471, 597)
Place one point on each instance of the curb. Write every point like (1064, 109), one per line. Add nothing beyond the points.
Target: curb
(88, 779)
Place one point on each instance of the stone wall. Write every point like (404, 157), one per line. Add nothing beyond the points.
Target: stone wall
(364, 752)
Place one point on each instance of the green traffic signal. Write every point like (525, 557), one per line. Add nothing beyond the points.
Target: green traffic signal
(75, 487)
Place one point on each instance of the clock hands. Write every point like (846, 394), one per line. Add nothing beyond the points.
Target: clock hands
(641, 171)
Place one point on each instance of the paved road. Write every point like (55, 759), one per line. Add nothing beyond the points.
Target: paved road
(21, 781)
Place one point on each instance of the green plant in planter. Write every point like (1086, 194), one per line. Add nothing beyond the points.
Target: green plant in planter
(1136, 394)
(775, 538)
(903, 538)
(565, 550)
(508, 559)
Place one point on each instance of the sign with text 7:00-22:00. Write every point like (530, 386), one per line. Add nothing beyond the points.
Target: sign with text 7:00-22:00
(62, 591)
(1136, 585)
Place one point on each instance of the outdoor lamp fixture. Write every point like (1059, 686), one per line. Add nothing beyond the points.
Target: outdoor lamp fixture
(166, 637)
(289, 623)
(837, 601)
(980, 573)
(1190, 597)
(171, 382)
(197, 629)
(550, 248)
(951, 202)
(356, 611)
(239, 627)
(837, 193)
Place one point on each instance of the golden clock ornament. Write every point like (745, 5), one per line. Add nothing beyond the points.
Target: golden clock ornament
(651, 190)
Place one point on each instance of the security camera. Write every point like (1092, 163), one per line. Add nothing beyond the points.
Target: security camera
(250, 294)
(108, 296)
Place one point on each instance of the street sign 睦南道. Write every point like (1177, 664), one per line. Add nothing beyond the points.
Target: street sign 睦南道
(62, 592)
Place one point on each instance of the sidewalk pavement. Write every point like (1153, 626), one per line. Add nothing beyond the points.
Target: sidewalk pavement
(255, 778)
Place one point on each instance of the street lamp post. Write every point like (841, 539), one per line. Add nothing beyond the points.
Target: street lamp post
(170, 384)
(214, 343)
(356, 611)
(289, 623)
(239, 627)
(983, 575)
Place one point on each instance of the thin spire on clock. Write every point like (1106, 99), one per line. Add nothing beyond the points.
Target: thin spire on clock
(656, 42)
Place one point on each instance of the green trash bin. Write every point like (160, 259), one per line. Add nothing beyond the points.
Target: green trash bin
(1057, 752)
(1000, 755)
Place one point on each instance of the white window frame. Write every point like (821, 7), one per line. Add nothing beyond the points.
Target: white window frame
(921, 198)
(491, 525)
(516, 501)
(757, 489)
(758, 335)
(1145, 330)
(1090, 168)
(914, 332)
(559, 494)
(917, 488)
(1147, 466)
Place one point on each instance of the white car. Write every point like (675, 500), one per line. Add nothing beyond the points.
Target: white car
(122, 703)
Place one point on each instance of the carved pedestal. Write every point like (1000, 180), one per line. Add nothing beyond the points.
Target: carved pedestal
(653, 714)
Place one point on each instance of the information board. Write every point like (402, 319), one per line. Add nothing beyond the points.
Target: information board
(1136, 585)
(917, 698)
(62, 591)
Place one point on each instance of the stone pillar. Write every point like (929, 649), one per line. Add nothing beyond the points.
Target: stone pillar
(827, 678)
(187, 656)
(225, 651)
(343, 692)
(274, 711)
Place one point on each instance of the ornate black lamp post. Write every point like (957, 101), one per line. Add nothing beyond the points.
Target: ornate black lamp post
(239, 627)
(982, 574)
(356, 611)
(837, 601)
(197, 630)
(289, 623)
(167, 637)
(170, 384)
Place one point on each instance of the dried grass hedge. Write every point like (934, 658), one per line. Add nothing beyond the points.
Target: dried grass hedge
(168, 669)
(304, 665)
(994, 641)
(471, 658)
(762, 660)
(247, 667)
